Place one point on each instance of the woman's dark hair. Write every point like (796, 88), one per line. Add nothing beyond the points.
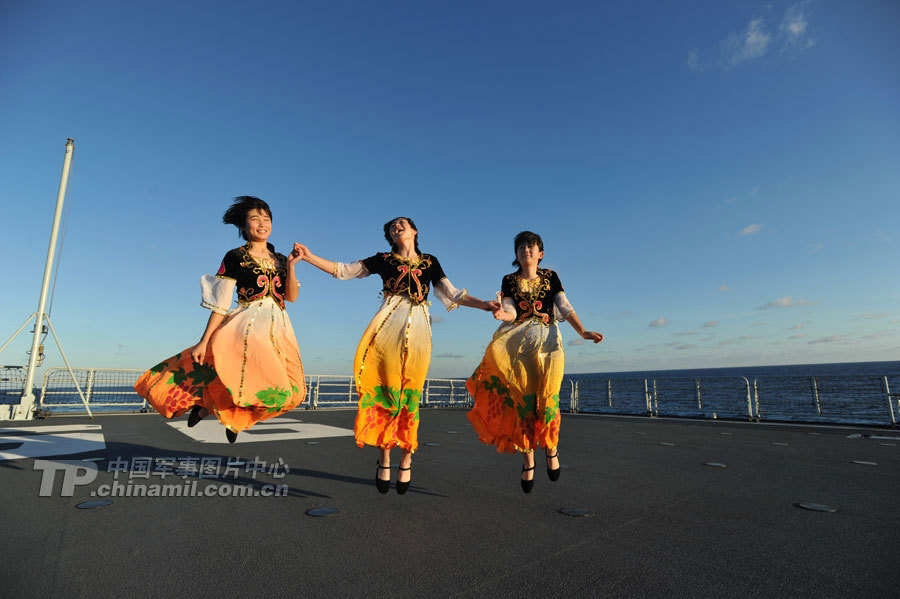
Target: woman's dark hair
(526, 238)
(387, 232)
(237, 213)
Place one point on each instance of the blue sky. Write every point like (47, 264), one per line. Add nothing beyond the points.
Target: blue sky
(716, 183)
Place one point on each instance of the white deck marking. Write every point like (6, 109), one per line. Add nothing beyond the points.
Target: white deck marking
(60, 439)
(209, 430)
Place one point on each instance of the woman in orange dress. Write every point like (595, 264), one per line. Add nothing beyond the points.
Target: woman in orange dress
(516, 386)
(393, 356)
(246, 366)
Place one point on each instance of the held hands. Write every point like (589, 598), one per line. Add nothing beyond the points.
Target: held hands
(501, 314)
(496, 308)
(300, 252)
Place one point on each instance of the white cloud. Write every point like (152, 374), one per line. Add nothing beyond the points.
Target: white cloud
(659, 322)
(693, 60)
(829, 339)
(785, 302)
(793, 32)
(451, 356)
(751, 229)
(576, 341)
(797, 327)
(798, 336)
(878, 316)
(815, 248)
(684, 347)
(791, 36)
(879, 335)
(751, 43)
(723, 288)
(710, 324)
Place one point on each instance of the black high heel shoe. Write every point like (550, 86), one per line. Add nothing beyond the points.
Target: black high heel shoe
(382, 485)
(230, 435)
(552, 474)
(401, 486)
(194, 417)
(527, 485)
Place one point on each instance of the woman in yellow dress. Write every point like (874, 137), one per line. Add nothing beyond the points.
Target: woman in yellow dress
(246, 366)
(516, 386)
(393, 356)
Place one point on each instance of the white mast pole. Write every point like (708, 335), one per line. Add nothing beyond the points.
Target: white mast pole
(26, 405)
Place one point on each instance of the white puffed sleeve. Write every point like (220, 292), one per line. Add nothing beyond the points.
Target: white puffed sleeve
(217, 293)
(449, 295)
(350, 270)
(508, 305)
(562, 309)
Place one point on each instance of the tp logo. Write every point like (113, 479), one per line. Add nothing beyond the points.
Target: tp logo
(75, 472)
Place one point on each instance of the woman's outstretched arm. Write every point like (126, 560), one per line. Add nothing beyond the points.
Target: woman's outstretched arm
(473, 302)
(307, 256)
(573, 320)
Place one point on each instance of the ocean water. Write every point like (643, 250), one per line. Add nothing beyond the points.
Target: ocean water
(845, 393)
(852, 393)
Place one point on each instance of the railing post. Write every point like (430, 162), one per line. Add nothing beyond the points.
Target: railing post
(756, 396)
(609, 391)
(699, 401)
(887, 389)
(655, 400)
(44, 386)
(647, 399)
(90, 384)
(427, 386)
(815, 390)
(749, 405)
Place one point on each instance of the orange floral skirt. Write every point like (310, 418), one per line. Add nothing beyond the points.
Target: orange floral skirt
(252, 371)
(390, 366)
(516, 388)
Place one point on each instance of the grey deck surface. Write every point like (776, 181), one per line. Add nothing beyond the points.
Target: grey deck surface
(663, 524)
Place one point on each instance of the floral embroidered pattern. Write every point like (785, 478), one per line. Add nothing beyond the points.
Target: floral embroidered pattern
(392, 401)
(408, 280)
(268, 281)
(533, 298)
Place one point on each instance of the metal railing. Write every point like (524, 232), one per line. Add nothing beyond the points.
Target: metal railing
(850, 399)
(102, 387)
(114, 388)
(847, 398)
(12, 383)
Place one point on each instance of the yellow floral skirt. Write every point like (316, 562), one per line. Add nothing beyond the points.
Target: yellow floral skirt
(516, 388)
(251, 372)
(390, 366)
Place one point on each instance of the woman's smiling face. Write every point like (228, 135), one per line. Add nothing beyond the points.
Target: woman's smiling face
(528, 254)
(401, 229)
(258, 225)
